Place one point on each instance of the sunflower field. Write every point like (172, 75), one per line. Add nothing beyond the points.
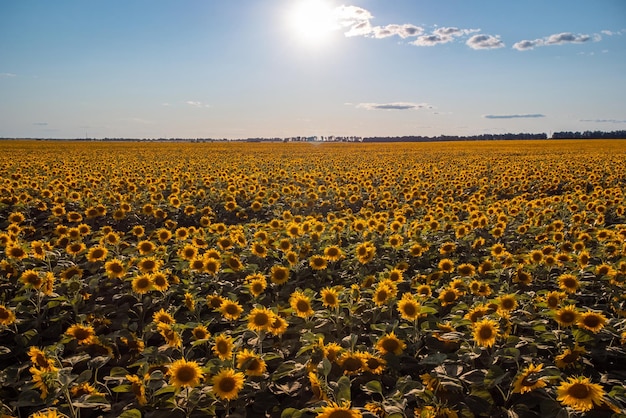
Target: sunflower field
(434, 280)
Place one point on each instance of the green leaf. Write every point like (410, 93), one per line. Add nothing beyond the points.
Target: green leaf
(326, 366)
(166, 389)
(582, 336)
(291, 413)
(343, 389)
(121, 388)
(434, 359)
(373, 386)
(131, 413)
(118, 372)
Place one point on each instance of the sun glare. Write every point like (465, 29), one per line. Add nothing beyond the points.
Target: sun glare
(312, 21)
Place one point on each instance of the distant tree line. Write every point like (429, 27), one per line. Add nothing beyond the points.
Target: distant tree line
(483, 137)
(589, 135)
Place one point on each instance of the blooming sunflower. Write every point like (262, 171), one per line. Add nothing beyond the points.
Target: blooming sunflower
(529, 379)
(485, 332)
(260, 319)
(569, 356)
(373, 364)
(172, 338)
(97, 253)
(592, 321)
(149, 264)
(301, 304)
(408, 307)
(351, 362)
(506, 303)
(31, 279)
(466, 270)
(200, 332)
(230, 310)
(446, 265)
(279, 274)
(114, 269)
(7, 317)
(335, 410)
(567, 315)
(251, 363)
(84, 334)
(48, 413)
(142, 284)
(448, 296)
(163, 317)
(568, 283)
(333, 253)
(330, 297)
(365, 252)
(185, 373)
(390, 343)
(227, 384)
(223, 346)
(580, 394)
(318, 262)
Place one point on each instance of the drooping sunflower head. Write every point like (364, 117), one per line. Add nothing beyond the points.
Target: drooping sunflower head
(529, 379)
(251, 363)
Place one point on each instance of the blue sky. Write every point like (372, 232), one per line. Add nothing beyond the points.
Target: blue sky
(279, 68)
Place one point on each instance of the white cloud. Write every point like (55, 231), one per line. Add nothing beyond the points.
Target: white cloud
(442, 35)
(394, 106)
(7, 75)
(556, 39)
(403, 31)
(604, 120)
(196, 103)
(483, 41)
(516, 116)
(355, 18)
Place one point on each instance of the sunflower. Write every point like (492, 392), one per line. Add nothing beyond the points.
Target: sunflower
(142, 284)
(7, 317)
(569, 356)
(389, 343)
(447, 248)
(333, 253)
(335, 410)
(424, 291)
(301, 304)
(163, 235)
(408, 307)
(592, 321)
(227, 384)
(163, 317)
(567, 316)
(138, 388)
(114, 269)
(332, 351)
(41, 360)
(580, 394)
(278, 326)
(38, 249)
(553, 299)
(259, 250)
(223, 346)
(185, 373)
(448, 296)
(506, 303)
(200, 332)
(160, 281)
(373, 364)
(485, 332)
(257, 285)
(382, 294)
(149, 264)
(84, 388)
(188, 252)
(528, 379)
(279, 274)
(48, 413)
(351, 362)
(97, 253)
(251, 363)
(190, 302)
(466, 270)
(74, 248)
(446, 265)
(477, 312)
(172, 338)
(395, 275)
(568, 283)
(318, 262)
(260, 319)
(84, 334)
(365, 252)
(330, 297)
(292, 258)
(70, 272)
(230, 310)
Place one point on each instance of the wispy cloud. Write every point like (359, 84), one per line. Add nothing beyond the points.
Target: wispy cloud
(7, 75)
(556, 39)
(394, 106)
(483, 41)
(196, 103)
(515, 116)
(604, 120)
(40, 123)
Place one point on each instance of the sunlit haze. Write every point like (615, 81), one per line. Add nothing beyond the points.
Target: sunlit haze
(282, 68)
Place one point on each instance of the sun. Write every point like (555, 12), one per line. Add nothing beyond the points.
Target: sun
(312, 21)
